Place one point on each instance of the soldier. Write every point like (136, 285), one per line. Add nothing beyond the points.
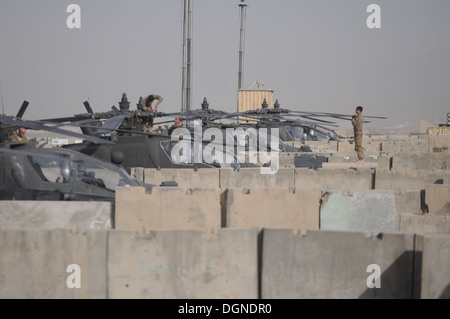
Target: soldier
(20, 136)
(177, 123)
(357, 122)
(146, 105)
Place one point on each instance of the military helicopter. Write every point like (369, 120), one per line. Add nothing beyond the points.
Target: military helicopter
(28, 172)
(31, 173)
(8, 124)
(293, 128)
(152, 150)
(131, 120)
(129, 146)
(134, 148)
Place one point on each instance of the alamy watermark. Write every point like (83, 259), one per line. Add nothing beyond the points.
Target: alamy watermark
(74, 279)
(374, 280)
(232, 145)
(74, 19)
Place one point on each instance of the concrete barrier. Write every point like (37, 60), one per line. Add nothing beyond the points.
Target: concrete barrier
(382, 161)
(331, 264)
(446, 178)
(334, 211)
(185, 178)
(408, 201)
(36, 264)
(167, 208)
(137, 173)
(436, 267)
(406, 179)
(439, 143)
(183, 264)
(252, 178)
(425, 223)
(418, 161)
(273, 208)
(437, 199)
(305, 159)
(373, 211)
(398, 146)
(77, 215)
(316, 146)
(370, 147)
(333, 179)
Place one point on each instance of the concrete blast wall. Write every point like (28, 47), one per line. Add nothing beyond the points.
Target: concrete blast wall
(406, 179)
(166, 208)
(349, 177)
(327, 264)
(333, 179)
(183, 264)
(437, 199)
(252, 178)
(274, 207)
(231, 264)
(418, 161)
(211, 209)
(425, 223)
(79, 216)
(34, 263)
(185, 178)
(436, 267)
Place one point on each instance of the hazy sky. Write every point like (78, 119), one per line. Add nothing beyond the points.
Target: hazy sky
(317, 55)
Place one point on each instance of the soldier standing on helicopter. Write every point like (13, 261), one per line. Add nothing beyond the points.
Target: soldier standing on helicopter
(146, 105)
(357, 122)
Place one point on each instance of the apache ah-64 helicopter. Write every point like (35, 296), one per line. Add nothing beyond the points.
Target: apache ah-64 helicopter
(131, 147)
(28, 172)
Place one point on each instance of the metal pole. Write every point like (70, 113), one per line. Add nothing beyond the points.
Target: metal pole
(241, 43)
(1, 96)
(189, 57)
(183, 76)
(242, 5)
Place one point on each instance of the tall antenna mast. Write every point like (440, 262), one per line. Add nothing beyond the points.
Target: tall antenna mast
(189, 57)
(242, 5)
(1, 97)
(187, 53)
(183, 75)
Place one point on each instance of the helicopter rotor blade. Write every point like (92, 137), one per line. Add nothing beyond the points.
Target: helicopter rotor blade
(88, 107)
(35, 125)
(22, 109)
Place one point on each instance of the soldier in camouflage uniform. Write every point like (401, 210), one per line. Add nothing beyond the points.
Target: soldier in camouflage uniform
(20, 136)
(146, 105)
(357, 121)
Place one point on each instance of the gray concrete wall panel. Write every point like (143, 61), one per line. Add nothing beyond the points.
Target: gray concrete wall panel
(418, 161)
(333, 179)
(167, 208)
(406, 179)
(274, 207)
(437, 199)
(186, 178)
(34, 264)
(77, 215)
(183, 264)
(373, 211)
(425, 223)
(334, 211)
(332, 264)
(436, 267)
(252, 178)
